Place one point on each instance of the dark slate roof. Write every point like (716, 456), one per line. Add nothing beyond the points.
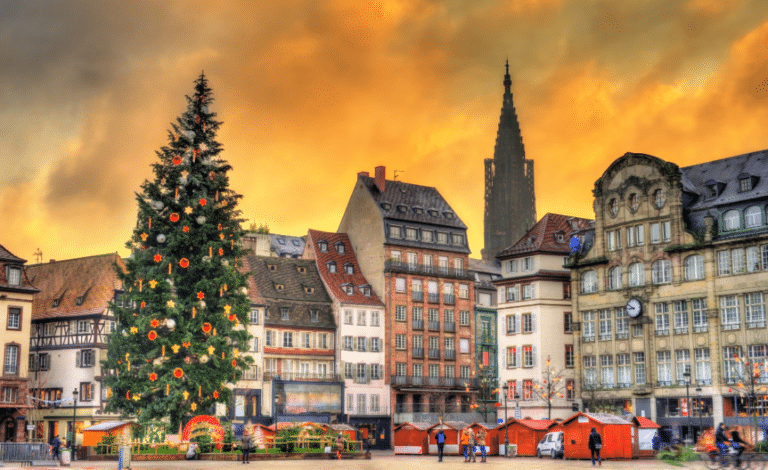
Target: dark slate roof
(334, 281)
(294, 295)
(412, 196)
(728, 171)
(8, 258)
(287, 246)
(484, 272)
(542, 237)
(92, 277)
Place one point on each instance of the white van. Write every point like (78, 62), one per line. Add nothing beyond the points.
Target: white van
(552, 445)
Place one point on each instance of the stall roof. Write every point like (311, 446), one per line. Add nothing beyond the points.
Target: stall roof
(603, 418)
(418, 425)
(643, 422)
(536, 423)
(108, 425)
(341, 427)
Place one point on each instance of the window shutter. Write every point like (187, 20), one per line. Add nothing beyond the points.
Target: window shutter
(77, 359)
(533, 322)
(518, 325)
(500, 295)
(370, 344)
(367, 373)
(534, 352)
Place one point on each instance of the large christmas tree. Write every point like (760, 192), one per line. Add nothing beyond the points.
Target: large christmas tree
(178, 344)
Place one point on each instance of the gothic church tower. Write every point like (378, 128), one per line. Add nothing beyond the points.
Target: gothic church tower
(510, 202)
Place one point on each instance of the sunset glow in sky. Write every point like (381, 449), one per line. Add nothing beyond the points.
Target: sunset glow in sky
(311, 93)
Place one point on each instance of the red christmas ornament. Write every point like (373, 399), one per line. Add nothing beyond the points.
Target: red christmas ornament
(128, 395)
(200, 295)
(152, 377)
(221, 251)
(184, 262)
(152, 335)
(174, 217)
(206, 327)
(178, 373)
(234, 362)
(212, 175)
(197, 118)
(231, 317)
(203, 202)
(143, 304)
(158, 258)
(154, 323)
(177, 160)
(186, 229)
(215, 394)
(219, 226)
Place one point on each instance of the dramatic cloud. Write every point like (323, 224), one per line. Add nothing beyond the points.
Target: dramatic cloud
(312, 92)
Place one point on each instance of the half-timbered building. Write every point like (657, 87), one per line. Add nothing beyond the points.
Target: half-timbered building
(71, 320)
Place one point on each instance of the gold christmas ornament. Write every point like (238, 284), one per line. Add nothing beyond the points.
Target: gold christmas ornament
(175, 348)
(152, 283)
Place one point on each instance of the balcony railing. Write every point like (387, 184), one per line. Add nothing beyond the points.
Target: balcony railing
(433, 325)
(681, 330)
(700, 328)
(417, 352)
(449, 326)
(449, 298)
(624, 384)
(453, 382)
(418, 296)
(704, 382)
(756, 324)
(662, 331)
(417, 324)
(443, 271)
(588, 338)
(299, 377)
(604, 337)
(434, 354)
(432, 407)
(433, 298)
(665, 383)
(731, 326)
(449, 354)
(622, 335)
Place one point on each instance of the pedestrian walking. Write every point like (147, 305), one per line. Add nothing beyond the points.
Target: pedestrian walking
(481, 442)
(245, 441)
(472, 444)
(55, 444)
(440, 439)
(465, 444)
(595, 444)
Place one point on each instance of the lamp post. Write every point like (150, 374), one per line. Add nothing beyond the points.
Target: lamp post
(506, 427)
(276, 399)
(687, 375)
(74, 421)
(698, 403)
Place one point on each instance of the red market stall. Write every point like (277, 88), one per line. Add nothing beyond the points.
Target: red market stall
(348, 431)
(524, 433)
(452, 431)
(646, 429)
(411, 438)
(92, 435)
(261, 434)
(618, 435)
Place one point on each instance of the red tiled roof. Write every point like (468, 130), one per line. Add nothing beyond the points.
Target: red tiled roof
(536, 423)
(542, 236)
(643, 422)
(334, 281)
(92, 277)
(253, 290)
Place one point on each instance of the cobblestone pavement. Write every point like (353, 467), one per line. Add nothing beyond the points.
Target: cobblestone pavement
(385, 460)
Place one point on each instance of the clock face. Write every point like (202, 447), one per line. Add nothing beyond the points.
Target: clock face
(634, 308)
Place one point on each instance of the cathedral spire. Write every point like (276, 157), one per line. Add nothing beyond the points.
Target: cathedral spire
(507, 80)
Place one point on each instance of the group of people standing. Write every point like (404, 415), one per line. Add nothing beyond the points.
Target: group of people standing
(468, 442)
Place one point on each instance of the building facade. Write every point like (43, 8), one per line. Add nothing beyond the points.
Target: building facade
(16, 294)
(71, 319)
(535, 320)
(669, 291)
(412, 247)
(486, 338)
(359, 314)
(510, 201)
(299, 368)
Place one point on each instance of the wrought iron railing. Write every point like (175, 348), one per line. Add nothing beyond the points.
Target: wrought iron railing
(450, 354)
(418, 296)
(417, 352)
(417, 324)
(454, 382)
(434, 354)
(433, 325)
(449, 326)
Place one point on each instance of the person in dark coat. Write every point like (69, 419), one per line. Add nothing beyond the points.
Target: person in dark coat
(595, 444)
(440, 439)
(738, 443)
(245, 442)
(55, 444)
(721, 441)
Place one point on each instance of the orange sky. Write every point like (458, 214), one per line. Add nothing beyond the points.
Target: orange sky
(310, 93)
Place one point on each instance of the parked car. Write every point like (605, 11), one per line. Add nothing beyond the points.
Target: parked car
(552, 445)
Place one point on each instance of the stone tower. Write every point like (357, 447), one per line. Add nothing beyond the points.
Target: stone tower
(510, 202)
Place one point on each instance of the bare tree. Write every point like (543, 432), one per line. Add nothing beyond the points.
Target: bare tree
(551, 386)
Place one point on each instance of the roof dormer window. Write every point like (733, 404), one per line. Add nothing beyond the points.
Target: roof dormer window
(366, 290)
(448, 215)
(331, 266)
(322, 245)
(746, 182)
(386, 206)
(349, 290)
(302, 269)
(309, 290)
(279, 287)
(349, 268)
(296, 243)
(314, 315)
(281, 241)
(339, 248)
(433, 212)
(14, 276)
(418, 210)
(56, 303)
(714, 188)
(79, 300)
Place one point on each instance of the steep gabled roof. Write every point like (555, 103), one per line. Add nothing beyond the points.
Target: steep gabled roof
(643, 422)
(412, 196)
(8, 258)
(728, 171)
(6, 255)
(334, 281)
(93, 278)
(543, 236)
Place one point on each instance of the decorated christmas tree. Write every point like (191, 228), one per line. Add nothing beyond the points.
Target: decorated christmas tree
(177, 344)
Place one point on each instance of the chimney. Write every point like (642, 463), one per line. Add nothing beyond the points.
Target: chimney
(52, 261)
(380, 180)
(363, 173)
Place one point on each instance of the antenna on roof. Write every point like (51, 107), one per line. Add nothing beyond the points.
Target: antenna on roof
(398, 171)
(38, 256)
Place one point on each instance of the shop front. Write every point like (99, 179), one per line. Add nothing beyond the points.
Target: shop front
(686, 417)
(375, 429)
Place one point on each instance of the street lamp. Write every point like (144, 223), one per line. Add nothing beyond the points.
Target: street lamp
(277, 398)
(687, 375)
(698, 403)
(74, 418)
(506, 426)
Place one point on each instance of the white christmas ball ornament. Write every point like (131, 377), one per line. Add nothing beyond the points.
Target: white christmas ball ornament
(203, 359)
(244, 290)
(170, 323)
(183, 180)
(190, 135)
(201, 220)
(202, 304)
(224, 262)
(157, 204)
(161, 238)
(205, 109)
(206, 259)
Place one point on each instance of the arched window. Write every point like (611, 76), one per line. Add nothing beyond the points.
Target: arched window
(634, 202)
(614, 278)
(636, 274)
(589, 282)
(731, 220)
(694, 267)
(658, 198)
(753, 217)
(661, 271)
(614, 205)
